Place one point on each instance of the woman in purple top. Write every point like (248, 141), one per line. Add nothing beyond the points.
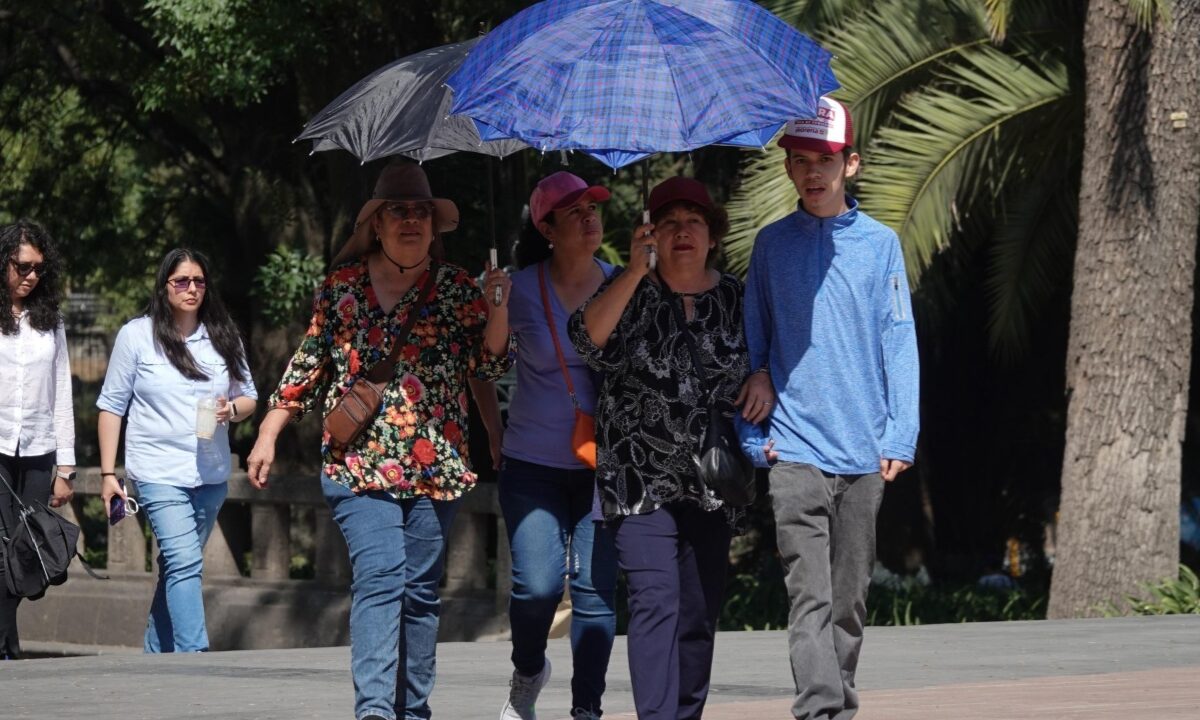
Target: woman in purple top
(546, 493)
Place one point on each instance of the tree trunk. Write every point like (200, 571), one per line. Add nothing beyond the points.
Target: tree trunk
(1131, 312)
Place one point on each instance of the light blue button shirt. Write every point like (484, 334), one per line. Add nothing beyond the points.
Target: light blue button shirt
(160, 439)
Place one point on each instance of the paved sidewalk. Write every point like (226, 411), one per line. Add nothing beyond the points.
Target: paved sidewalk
(1069, 670)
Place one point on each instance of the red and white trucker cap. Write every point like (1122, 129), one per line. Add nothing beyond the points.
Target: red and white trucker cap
(829, 132)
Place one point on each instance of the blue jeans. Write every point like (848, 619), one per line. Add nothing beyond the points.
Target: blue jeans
(552, 535)
(182, 519)
(396, 552)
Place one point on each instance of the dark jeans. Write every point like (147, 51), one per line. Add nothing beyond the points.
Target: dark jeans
(548, 513)
(825, 528)
(675, 561)
(32, 478)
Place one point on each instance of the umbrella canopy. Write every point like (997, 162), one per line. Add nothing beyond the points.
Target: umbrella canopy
(403, 109)
(621, 79)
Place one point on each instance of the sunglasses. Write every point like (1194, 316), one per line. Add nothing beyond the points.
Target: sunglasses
(402, 211)
(24, 268)
(181, 284)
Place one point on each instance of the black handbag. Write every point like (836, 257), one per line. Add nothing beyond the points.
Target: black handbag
(36, 551)
(720, 463)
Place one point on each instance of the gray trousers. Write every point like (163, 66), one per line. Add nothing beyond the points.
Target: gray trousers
(825, 528)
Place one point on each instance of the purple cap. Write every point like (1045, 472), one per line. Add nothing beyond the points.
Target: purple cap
(560, 190)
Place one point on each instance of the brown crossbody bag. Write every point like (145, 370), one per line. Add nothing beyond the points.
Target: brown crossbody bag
(355, 409)
(583, 436)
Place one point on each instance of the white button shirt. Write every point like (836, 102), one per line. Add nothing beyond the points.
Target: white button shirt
(36, 412)
(160, 438)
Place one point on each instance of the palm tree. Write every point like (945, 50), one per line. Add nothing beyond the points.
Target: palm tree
(973, 118)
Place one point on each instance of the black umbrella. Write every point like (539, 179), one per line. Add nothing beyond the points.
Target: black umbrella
(403, 108)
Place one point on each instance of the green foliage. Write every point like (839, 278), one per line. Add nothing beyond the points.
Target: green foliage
(950, 141)
(285, 284)
(753, 602)
(919, 605)
(1148, 11)
(215, 49)
(1180, 596)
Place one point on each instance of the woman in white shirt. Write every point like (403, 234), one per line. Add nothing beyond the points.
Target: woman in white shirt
(37, 422)
(184, 350)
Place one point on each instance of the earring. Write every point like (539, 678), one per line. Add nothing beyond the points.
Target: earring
(550, 245)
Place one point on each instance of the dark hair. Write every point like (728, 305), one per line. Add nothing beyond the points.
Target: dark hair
(41, 304)
(715, 217)
(532, 246)
(222, 332)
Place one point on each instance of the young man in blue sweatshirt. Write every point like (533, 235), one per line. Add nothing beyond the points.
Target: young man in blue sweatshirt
(832, 405)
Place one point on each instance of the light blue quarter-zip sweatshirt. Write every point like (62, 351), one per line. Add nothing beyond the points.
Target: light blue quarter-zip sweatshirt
(828, 309)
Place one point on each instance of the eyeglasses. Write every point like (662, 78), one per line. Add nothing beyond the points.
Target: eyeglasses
(181, 284)
(403, 211)
(24, 268)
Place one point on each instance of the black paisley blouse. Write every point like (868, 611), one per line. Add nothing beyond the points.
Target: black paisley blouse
(651, 410)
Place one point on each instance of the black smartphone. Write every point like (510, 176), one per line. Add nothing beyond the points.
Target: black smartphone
(116, 506)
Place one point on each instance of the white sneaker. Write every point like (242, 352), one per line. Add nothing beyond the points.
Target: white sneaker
(581, 714)
(523, 693)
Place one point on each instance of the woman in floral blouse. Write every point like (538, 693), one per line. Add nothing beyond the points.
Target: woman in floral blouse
(394, 489)
(672, 533)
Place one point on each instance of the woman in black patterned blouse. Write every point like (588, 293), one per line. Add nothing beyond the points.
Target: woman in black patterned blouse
(672, 533)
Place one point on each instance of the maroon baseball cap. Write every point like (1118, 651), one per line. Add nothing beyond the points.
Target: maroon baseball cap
(560, 190)
(679, 188)
(829, 132)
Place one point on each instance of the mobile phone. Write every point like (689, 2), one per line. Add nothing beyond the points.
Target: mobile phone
(116, 506)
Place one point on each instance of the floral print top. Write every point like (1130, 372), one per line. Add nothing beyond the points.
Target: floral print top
(651, 412)
(417, 444)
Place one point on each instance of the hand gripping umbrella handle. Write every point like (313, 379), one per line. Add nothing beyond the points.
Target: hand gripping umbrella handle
(497, 292)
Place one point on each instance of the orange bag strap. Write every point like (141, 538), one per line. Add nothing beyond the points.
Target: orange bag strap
(562, 363)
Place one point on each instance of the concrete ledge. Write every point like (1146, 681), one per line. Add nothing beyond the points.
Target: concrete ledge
(241, 614)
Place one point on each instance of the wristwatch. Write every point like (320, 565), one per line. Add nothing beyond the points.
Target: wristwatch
(68, 476)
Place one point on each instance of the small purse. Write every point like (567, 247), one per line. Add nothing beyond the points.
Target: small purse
(359, 405)
(720, 463)
(583, 435)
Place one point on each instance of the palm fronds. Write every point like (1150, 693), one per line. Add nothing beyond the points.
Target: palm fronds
(941, 139)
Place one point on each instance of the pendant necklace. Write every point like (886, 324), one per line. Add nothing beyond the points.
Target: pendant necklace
(403, 267)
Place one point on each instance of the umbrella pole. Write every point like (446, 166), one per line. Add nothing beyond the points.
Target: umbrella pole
(652, 260)
(497, 294)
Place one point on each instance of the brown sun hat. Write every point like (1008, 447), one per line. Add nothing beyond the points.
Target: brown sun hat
(400, 180)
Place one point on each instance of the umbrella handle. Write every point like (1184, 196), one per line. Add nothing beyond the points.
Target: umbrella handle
(651, 255)
(497, 293)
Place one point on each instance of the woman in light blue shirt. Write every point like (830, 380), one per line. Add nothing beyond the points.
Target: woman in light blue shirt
(183, 350)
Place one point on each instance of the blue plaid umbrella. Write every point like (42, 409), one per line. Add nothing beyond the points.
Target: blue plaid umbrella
(622, 79)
